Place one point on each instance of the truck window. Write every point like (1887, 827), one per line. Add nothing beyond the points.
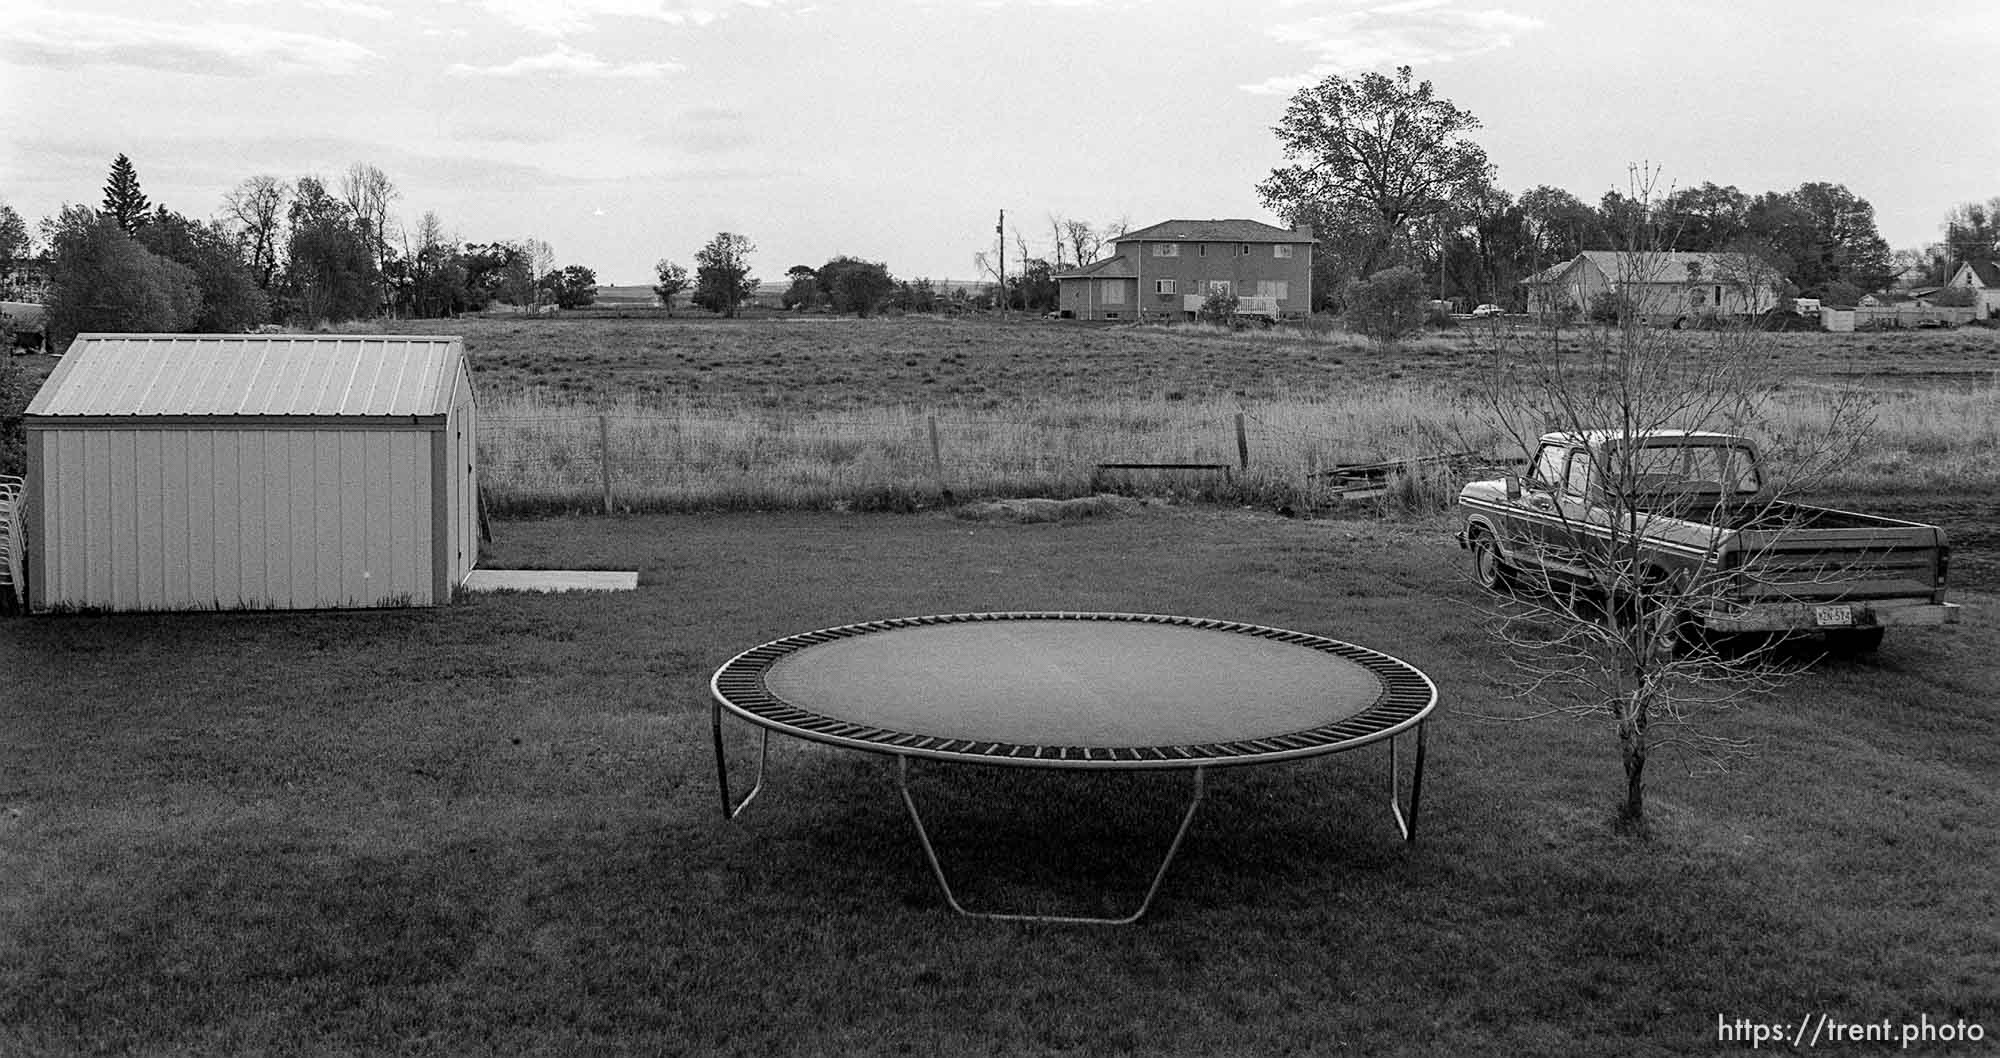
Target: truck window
(1703, 468)
(1577, 481)
(1547, 469)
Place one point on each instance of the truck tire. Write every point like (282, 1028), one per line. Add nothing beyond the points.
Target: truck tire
(1488, 568)
(1854, 642)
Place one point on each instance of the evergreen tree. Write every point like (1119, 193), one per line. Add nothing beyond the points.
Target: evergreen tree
(122, 197)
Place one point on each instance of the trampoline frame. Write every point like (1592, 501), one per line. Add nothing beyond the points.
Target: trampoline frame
(738, 687)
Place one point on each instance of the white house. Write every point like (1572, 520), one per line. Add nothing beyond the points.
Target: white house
(1983, 277)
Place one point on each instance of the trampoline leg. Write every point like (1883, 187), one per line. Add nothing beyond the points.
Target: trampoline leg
(937, 868)
(1407, 824)
(732, 809)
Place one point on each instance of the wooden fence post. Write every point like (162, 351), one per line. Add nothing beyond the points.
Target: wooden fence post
(604, 457)
(1242, 444)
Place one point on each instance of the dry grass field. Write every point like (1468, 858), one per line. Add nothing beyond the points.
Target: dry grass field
(810, 363)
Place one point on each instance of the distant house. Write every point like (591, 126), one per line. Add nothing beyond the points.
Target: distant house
(27, 279)
(1168, 270)
(1663, 287)
(1984, 277)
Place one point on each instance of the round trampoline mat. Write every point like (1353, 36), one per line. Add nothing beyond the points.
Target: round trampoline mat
(1075, 689)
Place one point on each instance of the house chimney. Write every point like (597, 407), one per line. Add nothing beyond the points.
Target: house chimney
(1305, 231)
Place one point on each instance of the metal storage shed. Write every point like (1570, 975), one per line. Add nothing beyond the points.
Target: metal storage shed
(201, 472)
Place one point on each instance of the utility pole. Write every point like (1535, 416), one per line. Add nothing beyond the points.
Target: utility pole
(1000, 229)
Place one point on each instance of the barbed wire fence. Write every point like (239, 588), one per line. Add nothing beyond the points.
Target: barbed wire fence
(902, 458)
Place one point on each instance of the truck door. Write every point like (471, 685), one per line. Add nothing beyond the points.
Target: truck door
(1527, 532)
(1568, 536)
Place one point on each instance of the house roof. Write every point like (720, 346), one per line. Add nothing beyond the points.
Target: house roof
(252, 375)
(1987, 272)
(1553, 273)
(1214, 231)
(1103, 268)
(1658, 266)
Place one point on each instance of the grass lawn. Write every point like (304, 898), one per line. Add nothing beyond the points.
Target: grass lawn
(492, 827)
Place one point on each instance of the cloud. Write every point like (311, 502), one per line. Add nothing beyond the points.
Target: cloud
(353, 7)
(561, 18)
(565, 61)
(1374, 36)
(67, 39)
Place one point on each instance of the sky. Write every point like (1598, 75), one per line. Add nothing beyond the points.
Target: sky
(622, 132)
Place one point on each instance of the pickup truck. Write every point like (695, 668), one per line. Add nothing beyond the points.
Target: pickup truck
(1699, 515)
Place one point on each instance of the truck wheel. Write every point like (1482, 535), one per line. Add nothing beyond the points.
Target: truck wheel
(1852, 642)
(1488, 568)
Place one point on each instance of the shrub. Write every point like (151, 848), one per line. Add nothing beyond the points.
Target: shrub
(1219, 307)
(1605, 307)
(1386, 306)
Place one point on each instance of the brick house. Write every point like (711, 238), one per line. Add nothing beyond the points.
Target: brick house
(1665, 287)
(1165, 271)
(1984, 278)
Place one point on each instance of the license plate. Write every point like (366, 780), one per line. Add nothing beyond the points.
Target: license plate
(1833, 615)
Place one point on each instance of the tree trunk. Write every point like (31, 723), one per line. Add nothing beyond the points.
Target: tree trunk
(1632, 747)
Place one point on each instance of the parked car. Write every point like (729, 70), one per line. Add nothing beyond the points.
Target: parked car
(1487, 310)
(1700, 517)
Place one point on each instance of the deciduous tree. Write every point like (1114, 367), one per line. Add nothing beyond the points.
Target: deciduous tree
(368, 193)
(1389, 149)
(14, 243)
(101, 279)
(853, 285)
(1972, 231)
(1608, 635)
(1386, 306)
(722, 274)
(255, 211)
(573, 287)
(330, 271)
(1559, 226)
(673, 279)
(803, 293)
(230, 299)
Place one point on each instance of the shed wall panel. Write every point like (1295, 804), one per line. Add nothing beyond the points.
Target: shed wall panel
(257, 518)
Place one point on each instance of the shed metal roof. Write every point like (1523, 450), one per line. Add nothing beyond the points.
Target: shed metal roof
(251, 375)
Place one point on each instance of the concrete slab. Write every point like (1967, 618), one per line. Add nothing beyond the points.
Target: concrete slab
(551, 580)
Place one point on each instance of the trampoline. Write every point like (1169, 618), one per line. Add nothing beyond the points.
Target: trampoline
(1109, 691)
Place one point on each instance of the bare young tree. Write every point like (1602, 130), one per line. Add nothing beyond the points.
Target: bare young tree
(368, 193)
(1631, 430)
(1084, 241)
(538, 259)
(255, 211)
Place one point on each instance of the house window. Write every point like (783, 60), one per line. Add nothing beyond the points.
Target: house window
(1110, 315)
(1163, 286)
(1274, 288)
(1201, 250)
(1111, 291)
(1166, 249)
(1282, 250)
(1243, 250)
(1218, 286)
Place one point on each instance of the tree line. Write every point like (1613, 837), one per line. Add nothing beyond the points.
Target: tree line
(722, 283)
(1388, 174)
(304, 251)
